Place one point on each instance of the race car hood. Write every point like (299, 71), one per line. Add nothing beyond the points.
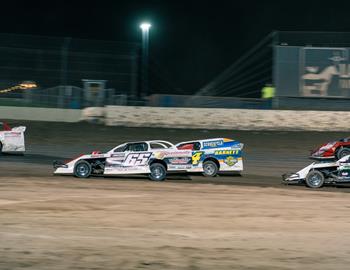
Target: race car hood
(6, 128)
(299, 175)
(19, 129)
(325, 150)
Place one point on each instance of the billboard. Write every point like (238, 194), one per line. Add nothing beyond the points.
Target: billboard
(312, 71)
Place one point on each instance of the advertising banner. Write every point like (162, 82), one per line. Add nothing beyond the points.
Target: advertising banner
(312, 71)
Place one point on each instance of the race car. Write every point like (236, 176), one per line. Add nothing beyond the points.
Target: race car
(332, 150)
(157, 158)
(322, 172)
(11, 139)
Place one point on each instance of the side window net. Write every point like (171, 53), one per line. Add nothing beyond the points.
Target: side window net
(157, 146)
(137, 147)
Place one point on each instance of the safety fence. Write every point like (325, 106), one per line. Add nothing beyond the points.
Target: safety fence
(69, 97)
(310, 71)
(67, 72)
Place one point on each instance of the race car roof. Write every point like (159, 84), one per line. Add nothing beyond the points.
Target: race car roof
(169, 144)
(208, 140)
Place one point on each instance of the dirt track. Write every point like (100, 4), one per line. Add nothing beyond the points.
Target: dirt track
(54, 223)
(248, 222)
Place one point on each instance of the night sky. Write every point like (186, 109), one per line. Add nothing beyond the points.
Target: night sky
(193, 41)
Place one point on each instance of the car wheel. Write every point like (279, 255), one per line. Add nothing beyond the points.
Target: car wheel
(0, 148)
(343, 152)
(210, 168)
(82, 169)
(314, 179)
(158, 172)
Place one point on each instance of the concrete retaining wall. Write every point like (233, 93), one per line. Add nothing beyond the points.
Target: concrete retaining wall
(237, 119)
(201, 118)
(40, 114)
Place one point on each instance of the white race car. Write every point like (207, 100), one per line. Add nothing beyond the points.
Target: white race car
(322, 172)
(156, 158)
(11, 139)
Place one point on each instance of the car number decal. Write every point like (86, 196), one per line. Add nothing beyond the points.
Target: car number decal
(137, 159)
(196, 157)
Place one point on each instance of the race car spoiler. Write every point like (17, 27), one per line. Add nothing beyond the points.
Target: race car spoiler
(59, 164)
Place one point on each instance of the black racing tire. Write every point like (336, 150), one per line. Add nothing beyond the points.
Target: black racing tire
(0, 148)
(82, 169)
(210, 168)
(314, 179)
(158, 172)
(343, 152)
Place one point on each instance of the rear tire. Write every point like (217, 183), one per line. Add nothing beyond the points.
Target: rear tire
(82, 169)
(314, 179)
(158, 172)
(343, 152)
(210, 169)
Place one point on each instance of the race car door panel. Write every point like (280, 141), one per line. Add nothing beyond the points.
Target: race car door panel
(134, 159)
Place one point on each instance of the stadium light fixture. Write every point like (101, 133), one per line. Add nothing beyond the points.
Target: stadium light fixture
(145, 26)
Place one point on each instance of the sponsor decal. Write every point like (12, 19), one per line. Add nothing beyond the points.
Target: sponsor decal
(226, 152)
(196, 157)
(180, 160)
(119, 168)
(97, 155)
(179, 167)
(117, 161)
(213, 144)
(118, 155)
(230, 161)
(161, 155)
(13, 134)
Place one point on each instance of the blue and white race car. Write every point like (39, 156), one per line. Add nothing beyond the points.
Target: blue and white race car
(157, 158)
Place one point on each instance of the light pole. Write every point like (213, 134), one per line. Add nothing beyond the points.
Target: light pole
(144, 73)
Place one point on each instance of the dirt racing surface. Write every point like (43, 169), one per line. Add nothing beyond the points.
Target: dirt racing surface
(186, 222)
(63, 223)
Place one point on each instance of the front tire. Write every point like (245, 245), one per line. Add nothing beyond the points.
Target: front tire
(82, 169)
(343, 152)
(210, 168)
(158, 172)
(314, 179)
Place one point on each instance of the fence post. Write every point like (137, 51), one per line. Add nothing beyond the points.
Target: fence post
(64, 66)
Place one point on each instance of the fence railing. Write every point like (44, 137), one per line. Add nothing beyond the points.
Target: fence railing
(69, 97)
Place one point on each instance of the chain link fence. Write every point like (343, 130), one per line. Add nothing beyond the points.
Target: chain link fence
(69, 73)
(76, 73)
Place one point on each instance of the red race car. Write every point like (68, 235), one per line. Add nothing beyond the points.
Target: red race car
(332, 150)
